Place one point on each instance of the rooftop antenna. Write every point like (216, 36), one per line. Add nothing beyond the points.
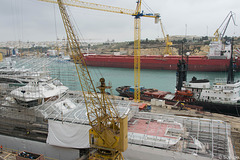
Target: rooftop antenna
(185, 30)
(207, 30)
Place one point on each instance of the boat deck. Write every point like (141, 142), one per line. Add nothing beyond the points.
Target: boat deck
(152, 128)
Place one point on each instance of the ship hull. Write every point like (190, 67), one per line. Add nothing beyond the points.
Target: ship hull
(227, 109)
(195, 63)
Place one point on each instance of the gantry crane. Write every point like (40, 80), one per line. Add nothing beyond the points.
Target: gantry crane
(137, 30)
(108, 133)
(167, 41)
(219, 36)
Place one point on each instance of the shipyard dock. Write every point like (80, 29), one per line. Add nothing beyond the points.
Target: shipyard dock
(162, 131)
(203, 136)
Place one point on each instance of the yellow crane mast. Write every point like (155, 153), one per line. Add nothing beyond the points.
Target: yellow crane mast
(108, 133)
(167, 41)
(137, 51)
(137, 30)
(1, 57)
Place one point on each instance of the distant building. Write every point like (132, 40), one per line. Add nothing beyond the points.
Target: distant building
(181, 37)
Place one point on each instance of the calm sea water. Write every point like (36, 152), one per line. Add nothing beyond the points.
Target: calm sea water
(159, 79)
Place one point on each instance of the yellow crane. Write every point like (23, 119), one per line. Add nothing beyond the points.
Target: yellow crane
(167, 41)
(137, 30)
(1, 57)
(218, 36)
(108, 133)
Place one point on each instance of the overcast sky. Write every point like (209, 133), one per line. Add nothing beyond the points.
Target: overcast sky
(32, 20)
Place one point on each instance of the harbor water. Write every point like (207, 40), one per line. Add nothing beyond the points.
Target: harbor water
(164, 80)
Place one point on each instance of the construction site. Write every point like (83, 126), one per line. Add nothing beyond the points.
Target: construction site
(149, 134)
(53, 108)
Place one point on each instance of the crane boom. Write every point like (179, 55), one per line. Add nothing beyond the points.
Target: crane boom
(137, 30)
(101, 7)
(109, 132)
(167, 41)
(164, 36)
(219, 36)
(94, 6)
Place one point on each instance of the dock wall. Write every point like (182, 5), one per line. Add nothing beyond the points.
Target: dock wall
(50, 152)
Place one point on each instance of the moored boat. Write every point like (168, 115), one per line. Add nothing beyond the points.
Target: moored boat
(159, 62)
(216, 60)
(221, 97)
(38, 92)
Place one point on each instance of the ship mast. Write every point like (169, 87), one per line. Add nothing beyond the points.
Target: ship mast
(230, 79)
(181, 72)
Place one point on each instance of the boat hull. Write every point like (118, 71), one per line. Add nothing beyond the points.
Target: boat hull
(227, 109)
(195, 63)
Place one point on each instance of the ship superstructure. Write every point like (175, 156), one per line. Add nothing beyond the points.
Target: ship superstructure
(222, 92)
(219, 51)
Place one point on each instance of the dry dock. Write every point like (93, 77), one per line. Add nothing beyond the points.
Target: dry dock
(233, 121)
(165, 131)
(212, 131)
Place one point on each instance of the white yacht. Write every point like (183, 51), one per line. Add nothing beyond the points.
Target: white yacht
(38, 92)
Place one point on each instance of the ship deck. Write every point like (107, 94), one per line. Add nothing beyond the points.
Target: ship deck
(152, 127)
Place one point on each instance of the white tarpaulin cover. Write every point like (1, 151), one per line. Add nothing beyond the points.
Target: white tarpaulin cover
(68, 134)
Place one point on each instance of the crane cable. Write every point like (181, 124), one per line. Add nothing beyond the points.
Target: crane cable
(55, 21)
(147, 7)
(96, 70)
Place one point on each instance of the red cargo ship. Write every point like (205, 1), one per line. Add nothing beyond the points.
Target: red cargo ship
(195, 63)
(216, 60)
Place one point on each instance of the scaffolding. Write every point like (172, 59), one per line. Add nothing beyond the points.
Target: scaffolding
(204, 137)
(22, 68)
(17, 73)
(71, 108)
